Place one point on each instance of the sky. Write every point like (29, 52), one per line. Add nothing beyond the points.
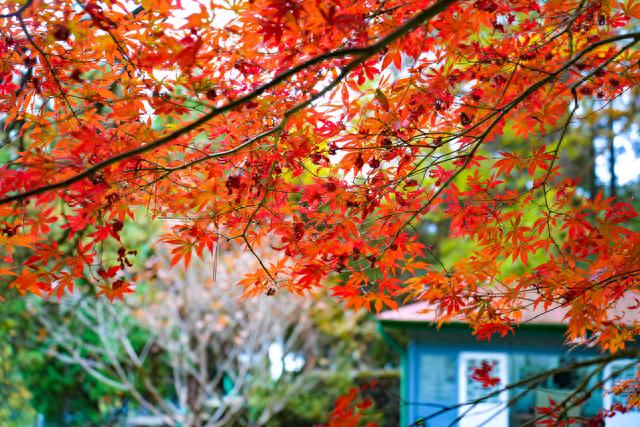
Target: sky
(627, 167)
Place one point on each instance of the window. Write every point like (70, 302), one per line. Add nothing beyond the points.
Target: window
(475, 389)
(437, 378)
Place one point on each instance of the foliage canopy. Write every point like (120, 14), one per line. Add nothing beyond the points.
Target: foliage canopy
(329, 132)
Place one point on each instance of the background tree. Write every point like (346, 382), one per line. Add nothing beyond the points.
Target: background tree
(346, 351)
(188, 350)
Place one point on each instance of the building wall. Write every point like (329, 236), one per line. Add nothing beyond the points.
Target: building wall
(432, 361)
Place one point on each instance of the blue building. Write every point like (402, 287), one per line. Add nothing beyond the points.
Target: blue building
(436, 367)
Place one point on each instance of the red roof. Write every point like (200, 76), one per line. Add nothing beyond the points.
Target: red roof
(424, 312)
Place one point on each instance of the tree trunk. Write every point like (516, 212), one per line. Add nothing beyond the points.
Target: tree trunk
(612, 154)
(593, 178)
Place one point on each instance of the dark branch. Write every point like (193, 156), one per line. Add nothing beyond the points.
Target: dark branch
(19, 11)
(361, 53)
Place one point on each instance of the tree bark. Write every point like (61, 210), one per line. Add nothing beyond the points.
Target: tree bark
(612, 154)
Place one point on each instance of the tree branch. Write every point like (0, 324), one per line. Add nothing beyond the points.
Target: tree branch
(362, 54)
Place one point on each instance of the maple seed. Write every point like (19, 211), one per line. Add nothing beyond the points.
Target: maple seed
(8, 230)
(75, 75)
(585, 90)
(271, 291)
(331, 186)
(602, 20)
(29, 62)
(97, 178)
(117, 226)
(60, 32)
(112, 199)
(233, 182)
(211, 94)
(500, 80)
(498, 26)
(465, 120)
(486, 5)
(298, 230)
(374, 163)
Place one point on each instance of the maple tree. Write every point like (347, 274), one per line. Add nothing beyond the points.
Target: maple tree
(327, 131)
